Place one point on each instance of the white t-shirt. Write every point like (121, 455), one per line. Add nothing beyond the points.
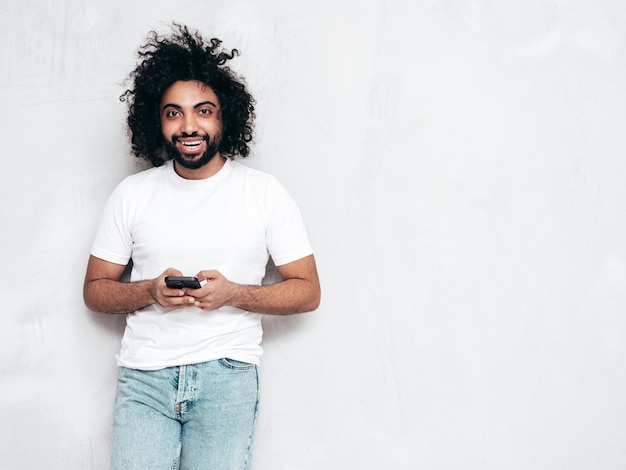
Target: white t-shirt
(231, 222)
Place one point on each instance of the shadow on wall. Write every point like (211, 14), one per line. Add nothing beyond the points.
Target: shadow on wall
(113, 324)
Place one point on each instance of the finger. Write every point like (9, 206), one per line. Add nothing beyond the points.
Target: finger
(207, 306)
(207, 274)
(173, 292)
(185, 301)
(171, 272)
(202, 291)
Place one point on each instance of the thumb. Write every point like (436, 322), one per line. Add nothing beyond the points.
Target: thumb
(208, 274)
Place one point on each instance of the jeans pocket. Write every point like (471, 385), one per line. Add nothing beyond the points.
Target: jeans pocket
(236, 365)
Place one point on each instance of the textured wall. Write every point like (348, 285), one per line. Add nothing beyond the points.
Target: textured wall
(461, 169)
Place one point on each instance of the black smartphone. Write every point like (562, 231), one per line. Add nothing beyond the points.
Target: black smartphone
(178, 282)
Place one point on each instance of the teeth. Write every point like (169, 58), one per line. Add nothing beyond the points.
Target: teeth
(192, 144)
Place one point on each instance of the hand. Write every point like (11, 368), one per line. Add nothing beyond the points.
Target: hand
(170, 298)
(217, 292)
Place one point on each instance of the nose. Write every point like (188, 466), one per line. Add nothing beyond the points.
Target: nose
(189, 125)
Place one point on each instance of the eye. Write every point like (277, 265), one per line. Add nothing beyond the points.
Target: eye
(171, 114)
(205, 111)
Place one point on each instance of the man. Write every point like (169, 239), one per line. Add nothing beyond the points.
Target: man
(187, 388)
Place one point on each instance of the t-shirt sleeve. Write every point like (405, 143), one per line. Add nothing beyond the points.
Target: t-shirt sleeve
(113, 241)
(286, 235)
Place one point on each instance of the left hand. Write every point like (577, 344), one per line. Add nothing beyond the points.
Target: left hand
(216, 293)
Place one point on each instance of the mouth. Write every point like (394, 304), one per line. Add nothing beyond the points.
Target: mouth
(190, 146)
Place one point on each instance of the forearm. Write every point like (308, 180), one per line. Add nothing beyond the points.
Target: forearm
(298, 292)
(285, 297)
(109, 296)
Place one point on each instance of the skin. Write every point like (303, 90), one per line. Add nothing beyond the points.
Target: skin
(190, 109)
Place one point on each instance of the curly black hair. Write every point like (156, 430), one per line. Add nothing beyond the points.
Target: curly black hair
(183, 56)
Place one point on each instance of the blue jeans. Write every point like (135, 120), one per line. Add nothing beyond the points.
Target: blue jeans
(193, 417)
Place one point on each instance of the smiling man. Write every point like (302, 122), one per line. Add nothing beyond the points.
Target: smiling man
(189, 116)
(187, 393)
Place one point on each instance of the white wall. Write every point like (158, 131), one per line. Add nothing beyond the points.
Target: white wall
(461, 169)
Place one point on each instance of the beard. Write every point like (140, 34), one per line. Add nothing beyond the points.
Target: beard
(212, 146)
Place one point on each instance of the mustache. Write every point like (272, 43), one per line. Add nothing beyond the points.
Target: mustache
(177, 137)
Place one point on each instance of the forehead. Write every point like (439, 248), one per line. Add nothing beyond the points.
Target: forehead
(188, 93)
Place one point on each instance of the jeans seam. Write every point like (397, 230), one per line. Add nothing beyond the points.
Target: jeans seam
(226, 362)
(248, 461)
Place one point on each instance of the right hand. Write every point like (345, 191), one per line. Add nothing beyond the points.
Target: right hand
(167, 297)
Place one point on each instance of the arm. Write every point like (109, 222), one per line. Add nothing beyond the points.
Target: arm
(298, 292)
(104, 292)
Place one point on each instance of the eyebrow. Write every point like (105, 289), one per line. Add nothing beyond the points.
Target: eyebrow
(196, 106)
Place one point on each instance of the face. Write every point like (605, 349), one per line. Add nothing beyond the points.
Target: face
(191, 122)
